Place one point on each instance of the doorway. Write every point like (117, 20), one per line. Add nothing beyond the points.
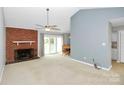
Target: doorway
(117, 41)
(52, 44)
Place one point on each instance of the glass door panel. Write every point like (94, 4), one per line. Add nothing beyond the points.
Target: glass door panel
(52, 44)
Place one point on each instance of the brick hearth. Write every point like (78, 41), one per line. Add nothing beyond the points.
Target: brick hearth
(19, 34)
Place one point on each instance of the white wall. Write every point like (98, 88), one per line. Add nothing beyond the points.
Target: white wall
(114, 35)
(115, 50)
(121, 46)
(118, 28)
(2, 43)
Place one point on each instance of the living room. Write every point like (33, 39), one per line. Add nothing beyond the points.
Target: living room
(61, 42)
(37, 48)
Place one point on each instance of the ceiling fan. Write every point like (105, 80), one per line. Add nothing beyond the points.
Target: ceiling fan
(47, 27)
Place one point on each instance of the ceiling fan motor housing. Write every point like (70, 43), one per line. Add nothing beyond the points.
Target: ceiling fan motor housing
(47, 9)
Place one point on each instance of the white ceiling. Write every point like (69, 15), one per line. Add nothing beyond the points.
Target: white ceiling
(117, 22)
(27, 17)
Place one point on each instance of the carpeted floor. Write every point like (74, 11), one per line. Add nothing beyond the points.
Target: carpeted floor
(59, 70)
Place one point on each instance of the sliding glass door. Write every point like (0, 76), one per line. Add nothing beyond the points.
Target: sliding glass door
(52, 44)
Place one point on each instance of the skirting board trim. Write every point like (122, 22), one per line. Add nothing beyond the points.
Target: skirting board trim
(92, 64)
(1, 73)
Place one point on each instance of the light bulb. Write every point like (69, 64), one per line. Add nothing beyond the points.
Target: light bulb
(47, 29)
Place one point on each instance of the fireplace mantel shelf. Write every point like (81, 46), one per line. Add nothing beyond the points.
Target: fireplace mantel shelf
(22, 42)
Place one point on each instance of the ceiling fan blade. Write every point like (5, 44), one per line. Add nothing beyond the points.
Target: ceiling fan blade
(39, 25)
(53, 25)
(55, 29)
(50, 26)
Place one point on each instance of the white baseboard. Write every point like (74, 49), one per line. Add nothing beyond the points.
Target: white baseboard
(1, 73)
(109, 68)
(91, 64)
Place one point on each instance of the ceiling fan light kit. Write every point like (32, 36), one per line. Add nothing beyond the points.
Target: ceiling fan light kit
(47, 29)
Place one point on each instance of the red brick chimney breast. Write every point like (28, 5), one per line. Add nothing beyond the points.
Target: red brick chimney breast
(19, 34)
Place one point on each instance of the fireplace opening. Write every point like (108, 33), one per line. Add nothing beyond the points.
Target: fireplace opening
(24, 54)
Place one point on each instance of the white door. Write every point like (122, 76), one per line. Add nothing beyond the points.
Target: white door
(121, 46)
(52, 44)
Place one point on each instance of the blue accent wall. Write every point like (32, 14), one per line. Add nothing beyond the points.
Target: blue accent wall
(89, 29)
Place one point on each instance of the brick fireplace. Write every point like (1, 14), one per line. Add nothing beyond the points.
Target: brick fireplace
(21, 44)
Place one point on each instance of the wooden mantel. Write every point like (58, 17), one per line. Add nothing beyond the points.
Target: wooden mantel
(23, 42)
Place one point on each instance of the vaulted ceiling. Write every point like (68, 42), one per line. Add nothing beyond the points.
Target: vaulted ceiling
(27, 17)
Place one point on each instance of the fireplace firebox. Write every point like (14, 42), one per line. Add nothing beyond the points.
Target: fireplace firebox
(24, 54)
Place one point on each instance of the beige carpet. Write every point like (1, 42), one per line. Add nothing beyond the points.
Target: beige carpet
(57, 69)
